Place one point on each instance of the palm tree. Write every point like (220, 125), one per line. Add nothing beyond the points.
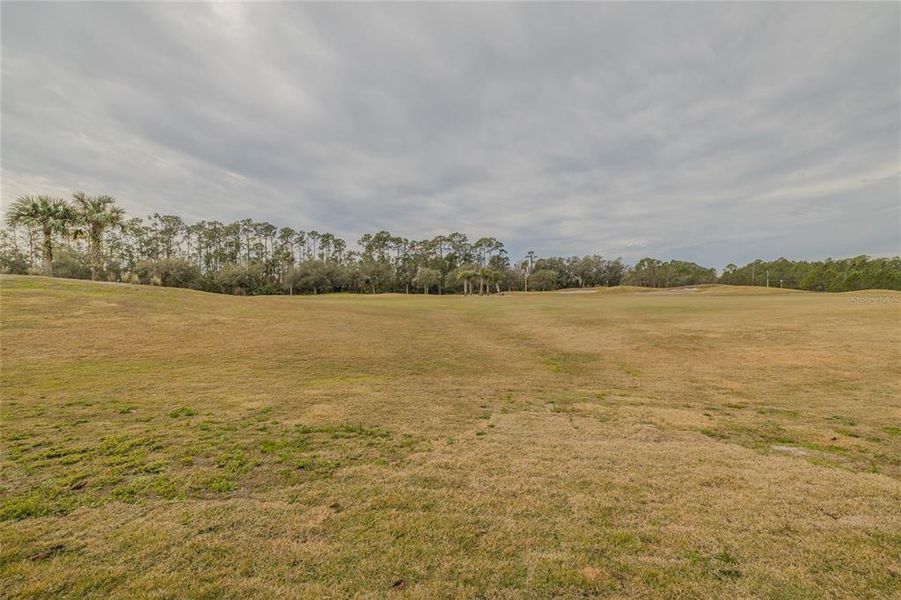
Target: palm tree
(466, 276)
(52, 216)
(97, 214)
(493, 276)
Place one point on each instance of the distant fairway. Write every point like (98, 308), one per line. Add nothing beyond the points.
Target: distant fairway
(714, 442)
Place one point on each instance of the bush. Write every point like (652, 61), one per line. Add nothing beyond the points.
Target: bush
(244, 278)
(312, 276)
(170, 272)
(127, 277)
(71, 264)
(542, 280)
(13, 262)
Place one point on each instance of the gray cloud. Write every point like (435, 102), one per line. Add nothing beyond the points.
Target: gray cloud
(709, 132)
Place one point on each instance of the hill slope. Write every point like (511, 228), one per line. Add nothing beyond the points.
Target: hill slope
(166, 442)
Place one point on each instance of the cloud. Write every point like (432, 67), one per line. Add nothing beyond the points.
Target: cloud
(717, 133)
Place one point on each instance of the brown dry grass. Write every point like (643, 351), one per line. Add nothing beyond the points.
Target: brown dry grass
(166, 443)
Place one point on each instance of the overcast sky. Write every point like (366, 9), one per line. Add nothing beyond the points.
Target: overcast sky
(710, 132)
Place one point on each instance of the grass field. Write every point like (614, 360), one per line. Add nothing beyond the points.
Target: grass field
(718, 442)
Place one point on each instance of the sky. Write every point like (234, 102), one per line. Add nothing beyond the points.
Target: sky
(715, 133)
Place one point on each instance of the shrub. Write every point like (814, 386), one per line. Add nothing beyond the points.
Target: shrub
(13, 261)
(72, 264)
(542, 280)
(244, 278)
(170, 272)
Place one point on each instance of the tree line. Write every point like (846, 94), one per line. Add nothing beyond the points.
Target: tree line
(91, 237)
(840, 275)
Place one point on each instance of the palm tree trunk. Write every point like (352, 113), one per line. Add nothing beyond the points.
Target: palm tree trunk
(47, 253)
(95, 248)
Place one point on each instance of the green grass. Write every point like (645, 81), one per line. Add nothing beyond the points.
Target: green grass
(723, 443)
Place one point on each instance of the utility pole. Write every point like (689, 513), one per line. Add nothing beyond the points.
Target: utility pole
(768, 278)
